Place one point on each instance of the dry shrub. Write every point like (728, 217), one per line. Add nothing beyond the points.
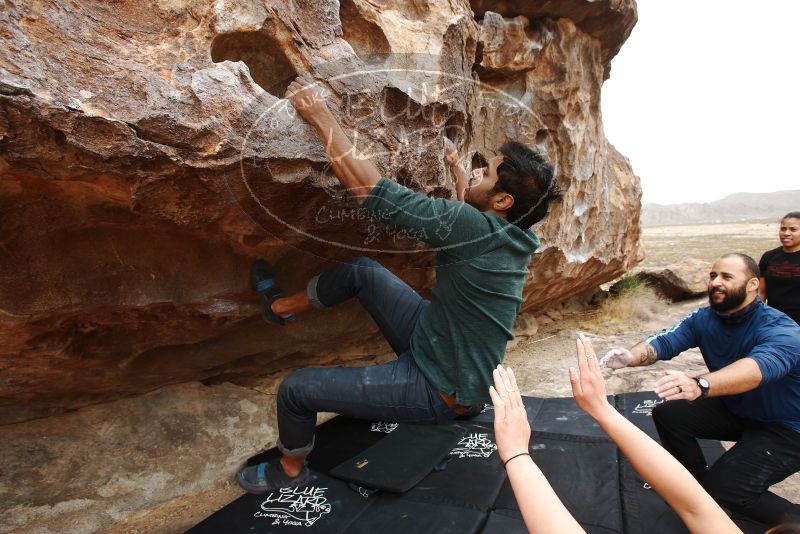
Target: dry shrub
(635, 303)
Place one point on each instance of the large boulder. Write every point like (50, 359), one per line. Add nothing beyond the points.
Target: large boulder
(86, 470)
(680, 281)
(146, 158)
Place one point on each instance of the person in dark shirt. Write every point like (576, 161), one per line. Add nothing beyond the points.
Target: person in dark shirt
(447, 346)
(751, 394)
(780, 269)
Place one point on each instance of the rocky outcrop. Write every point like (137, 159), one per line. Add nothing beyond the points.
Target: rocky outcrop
(146, 158)
(144, 452)
(681, 281)
(608, 21)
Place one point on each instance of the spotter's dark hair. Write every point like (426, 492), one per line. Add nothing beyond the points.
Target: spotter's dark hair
(750, 265)
(525, 175)
(791, 215)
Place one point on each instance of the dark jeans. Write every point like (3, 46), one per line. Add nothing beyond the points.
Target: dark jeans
(765, 454)
(395, 391)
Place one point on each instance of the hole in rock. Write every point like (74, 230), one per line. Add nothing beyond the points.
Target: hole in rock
(263, 55)
(60, 138)
(478, 161)
(441, 192)
(366, 37)
(455, 129)
(500, 81)
(212, 381)
(543, 140)
(478, 54)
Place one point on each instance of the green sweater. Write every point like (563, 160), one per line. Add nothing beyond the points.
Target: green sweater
(481, 265)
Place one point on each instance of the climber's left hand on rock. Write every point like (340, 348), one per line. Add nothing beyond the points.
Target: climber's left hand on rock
(308, 97)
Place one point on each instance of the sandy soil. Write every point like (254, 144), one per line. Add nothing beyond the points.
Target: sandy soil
(541, 361)
(669, 244)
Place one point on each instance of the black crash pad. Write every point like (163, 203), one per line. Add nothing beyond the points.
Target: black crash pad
(471, 494)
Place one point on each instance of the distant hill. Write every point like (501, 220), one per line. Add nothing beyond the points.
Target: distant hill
(735, 207)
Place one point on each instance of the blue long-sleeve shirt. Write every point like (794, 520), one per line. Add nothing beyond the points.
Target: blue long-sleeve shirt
(767, 336)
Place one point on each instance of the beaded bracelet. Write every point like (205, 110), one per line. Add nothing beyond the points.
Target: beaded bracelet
(516, 456)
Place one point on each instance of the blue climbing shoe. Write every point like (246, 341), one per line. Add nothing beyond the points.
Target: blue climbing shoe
(262, 280)
(269, 476)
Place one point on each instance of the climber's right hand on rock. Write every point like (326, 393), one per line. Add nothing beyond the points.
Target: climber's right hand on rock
(308, 98)
(617, 358)
(450, 151)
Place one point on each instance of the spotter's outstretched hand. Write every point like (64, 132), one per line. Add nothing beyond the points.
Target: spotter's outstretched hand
(677, 385)
(511, 427)
(588, 385)
(617, 358)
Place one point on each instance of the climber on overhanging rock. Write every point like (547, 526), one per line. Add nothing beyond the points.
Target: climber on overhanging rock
(446, 347)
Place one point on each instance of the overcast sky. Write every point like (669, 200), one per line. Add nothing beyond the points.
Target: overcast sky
(704, 99)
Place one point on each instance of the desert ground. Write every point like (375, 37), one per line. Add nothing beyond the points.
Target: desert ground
(664, 245)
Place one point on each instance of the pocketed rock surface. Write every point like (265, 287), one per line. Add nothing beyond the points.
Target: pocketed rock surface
(146, 158)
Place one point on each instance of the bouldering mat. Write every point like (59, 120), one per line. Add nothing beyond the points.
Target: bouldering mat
(471, 494)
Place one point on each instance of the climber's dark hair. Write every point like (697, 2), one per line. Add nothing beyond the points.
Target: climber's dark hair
(525, 175)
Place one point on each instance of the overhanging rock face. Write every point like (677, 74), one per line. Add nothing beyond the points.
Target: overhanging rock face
(146, 158)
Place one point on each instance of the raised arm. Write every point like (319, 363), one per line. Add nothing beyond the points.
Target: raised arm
(356, 173)
(655, 465)
(664, 345)
(542, 510)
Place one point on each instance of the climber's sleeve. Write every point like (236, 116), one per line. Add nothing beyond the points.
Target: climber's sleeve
(437, 221)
